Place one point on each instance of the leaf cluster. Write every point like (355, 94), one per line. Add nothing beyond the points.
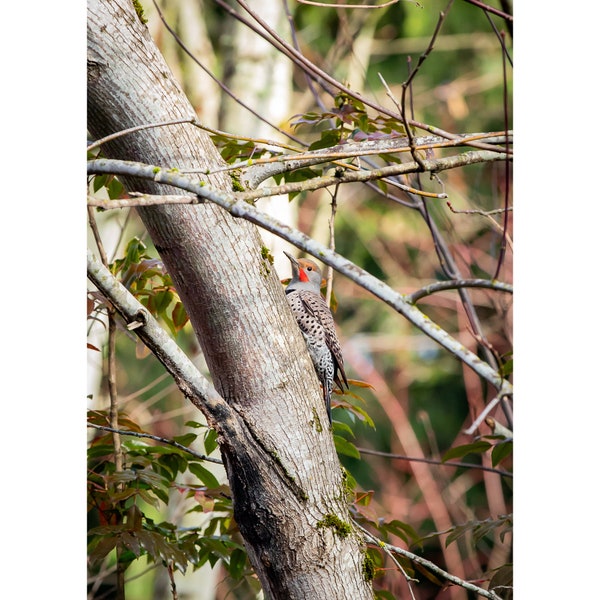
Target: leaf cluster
(145, 277)
(121, 504)
(348, 120)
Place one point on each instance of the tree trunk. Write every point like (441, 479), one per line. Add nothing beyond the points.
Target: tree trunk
(285, 477)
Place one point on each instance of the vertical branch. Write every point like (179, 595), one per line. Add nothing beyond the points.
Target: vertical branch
(331, 244)
(174, 593)
(407, 84)
(114, 423)
(112, 390)
(506, 169)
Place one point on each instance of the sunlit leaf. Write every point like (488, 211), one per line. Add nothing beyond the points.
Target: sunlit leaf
(328, 139)
(341, 427)
(179, 316)
(210, 441)
(345, 447)
(204, 475)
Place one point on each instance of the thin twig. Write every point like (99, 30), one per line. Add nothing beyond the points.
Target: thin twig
(336, 6)
(380, 544)
(218, 81)
(140, 200)
(123, 132)
(491, 9)
(430, 566)
(506, 175)
(457, 284)
(484, 413)
(433, 165)
(331, 243)
(433, 461)
(162, 440)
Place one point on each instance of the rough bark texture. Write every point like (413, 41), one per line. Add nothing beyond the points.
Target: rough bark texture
(279, 455)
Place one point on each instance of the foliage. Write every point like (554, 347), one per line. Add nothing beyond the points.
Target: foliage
(121, 504)
(147, 280)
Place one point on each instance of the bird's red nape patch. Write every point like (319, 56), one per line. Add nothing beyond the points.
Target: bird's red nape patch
(302, 275)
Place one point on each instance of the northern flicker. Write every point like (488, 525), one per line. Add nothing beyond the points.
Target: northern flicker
(316, 324)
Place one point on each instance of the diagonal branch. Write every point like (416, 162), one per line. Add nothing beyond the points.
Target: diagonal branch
(428, 565)
(157, 438)
(245, 210)
(190, 381)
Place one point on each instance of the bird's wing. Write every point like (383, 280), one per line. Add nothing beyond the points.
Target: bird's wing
(317, 307)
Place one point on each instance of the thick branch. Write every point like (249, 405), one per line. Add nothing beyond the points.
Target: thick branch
(261, 170)
(430, 166)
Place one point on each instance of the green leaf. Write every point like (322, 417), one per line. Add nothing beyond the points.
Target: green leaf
(361, 414)
(460, 451)
(501, 451)
(186, 439)
(99, 181)
(153, 499)
(135, 445)
(384, 595)
(179, 316)
(329, 138)
(480, 529)
(162, 299)
(210, 441)
(507, 368)
(403, 530)
(101, 450)
(114, 188)
(102, 548)
(341, 427)
(343, 446)
(194, 424)
(204, 475)
(135, 250)
(237, 563)
(503, 579)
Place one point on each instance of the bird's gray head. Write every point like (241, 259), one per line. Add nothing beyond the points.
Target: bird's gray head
(306, 275)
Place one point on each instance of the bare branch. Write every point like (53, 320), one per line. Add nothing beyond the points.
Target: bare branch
(448, 463)
(258, 171)
(141, 200)
(431, 165)
(428, 565)
(118, 134)
(458, 283)
(156, 438)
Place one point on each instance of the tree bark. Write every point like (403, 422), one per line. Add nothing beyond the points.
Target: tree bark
(285, 477)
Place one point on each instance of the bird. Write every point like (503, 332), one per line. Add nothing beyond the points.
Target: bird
(316, 324)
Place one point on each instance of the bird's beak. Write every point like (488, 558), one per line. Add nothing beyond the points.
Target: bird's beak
(292, 259)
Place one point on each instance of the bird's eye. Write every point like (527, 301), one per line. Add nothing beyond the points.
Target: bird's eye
(309, 268)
